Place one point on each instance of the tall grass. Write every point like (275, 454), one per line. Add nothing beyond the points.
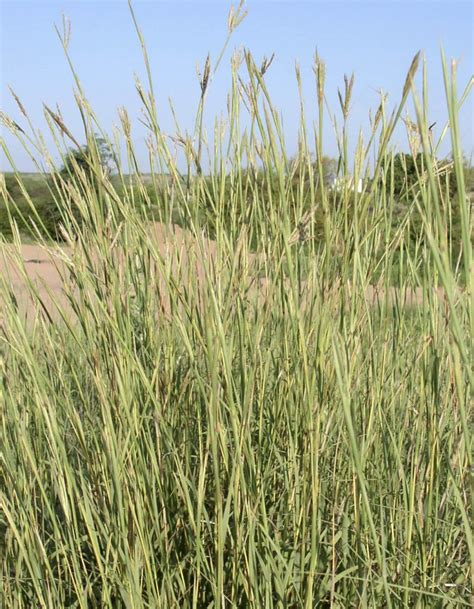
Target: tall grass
(237, 423)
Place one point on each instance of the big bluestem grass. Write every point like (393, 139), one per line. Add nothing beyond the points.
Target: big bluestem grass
(235, 422)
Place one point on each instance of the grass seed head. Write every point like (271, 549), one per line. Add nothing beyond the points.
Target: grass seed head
(60, 123)
(9, 123)
(411, 74)
(266, 63)
(236, 17)
(204, 77)
(125, 121)
(18, 102)
(319, 69)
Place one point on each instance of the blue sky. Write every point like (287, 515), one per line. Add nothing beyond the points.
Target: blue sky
(376, 40)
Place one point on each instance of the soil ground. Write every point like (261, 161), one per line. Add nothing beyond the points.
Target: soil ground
(46, 269)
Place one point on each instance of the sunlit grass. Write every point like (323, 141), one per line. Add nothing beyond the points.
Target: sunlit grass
(237, 423)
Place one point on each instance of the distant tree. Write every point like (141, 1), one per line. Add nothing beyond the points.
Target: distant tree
(407, 171)
(329, 166)
(404, 173)
(83, 158)
(468, 176)
(11, 184)
(329, 170)
(79, 160)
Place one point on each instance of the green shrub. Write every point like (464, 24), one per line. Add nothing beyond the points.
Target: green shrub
(38, 191)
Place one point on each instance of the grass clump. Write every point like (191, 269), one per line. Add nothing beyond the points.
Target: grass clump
(238, 422)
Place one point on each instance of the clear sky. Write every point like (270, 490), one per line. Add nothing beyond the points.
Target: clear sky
(376, 40)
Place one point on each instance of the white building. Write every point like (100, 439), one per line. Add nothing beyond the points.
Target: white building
(339, 183)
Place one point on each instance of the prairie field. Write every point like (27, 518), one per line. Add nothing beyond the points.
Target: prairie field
(238, 384)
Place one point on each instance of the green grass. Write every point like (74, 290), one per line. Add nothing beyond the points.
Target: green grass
(301, 449)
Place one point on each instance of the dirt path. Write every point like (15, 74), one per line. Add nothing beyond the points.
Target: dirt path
(45, 269)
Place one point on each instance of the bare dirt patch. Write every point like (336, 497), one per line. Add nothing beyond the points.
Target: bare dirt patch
(37, 274)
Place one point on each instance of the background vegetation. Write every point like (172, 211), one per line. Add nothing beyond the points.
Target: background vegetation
(400, 184)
